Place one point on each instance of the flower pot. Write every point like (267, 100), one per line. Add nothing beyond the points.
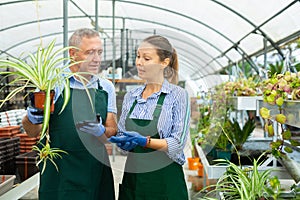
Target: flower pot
(193, 163)
(200, 169)
(209, 150)
(221, 154)
(38, 100)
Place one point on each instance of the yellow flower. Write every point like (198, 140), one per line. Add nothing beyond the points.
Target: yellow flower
(264, 113)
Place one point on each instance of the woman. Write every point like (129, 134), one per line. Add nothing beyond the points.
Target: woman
(153, 127)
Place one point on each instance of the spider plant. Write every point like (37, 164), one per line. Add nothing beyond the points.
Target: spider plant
(44, 71)
(244, 182)
(41, 72)
(47, 153)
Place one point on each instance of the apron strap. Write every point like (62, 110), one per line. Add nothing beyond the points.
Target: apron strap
(159, 104)
(132, 107)
(99, 85)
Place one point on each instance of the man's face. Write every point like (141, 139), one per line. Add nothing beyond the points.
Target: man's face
(90, 52)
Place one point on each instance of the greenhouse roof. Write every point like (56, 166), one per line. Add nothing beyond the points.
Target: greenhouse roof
(208, 34)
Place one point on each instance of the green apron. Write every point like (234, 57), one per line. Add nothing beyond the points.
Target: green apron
(151, 174)
(84, 173)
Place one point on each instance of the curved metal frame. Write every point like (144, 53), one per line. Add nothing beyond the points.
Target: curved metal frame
(235, 45)
(59, 18)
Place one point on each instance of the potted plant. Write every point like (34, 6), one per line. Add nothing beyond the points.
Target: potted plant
(194, 160)
(242, 87)
(42, 73)
(214, 118)
(224, 145)
(240, 135)
(245, 183)
(278, 89)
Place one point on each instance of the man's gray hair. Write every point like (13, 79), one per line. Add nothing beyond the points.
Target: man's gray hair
(77, 36)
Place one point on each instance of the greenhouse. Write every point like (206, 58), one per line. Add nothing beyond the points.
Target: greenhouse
(235, 90)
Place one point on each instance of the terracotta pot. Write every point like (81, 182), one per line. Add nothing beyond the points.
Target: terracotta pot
(9, 131)
(38, 100)
(193, 163)
(200, 169)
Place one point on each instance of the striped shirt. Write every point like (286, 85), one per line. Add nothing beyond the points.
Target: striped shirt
(174, 120)
(105, 84)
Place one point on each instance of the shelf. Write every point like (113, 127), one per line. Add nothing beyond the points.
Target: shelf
(216, 171)
(244, 102)
(22, 189)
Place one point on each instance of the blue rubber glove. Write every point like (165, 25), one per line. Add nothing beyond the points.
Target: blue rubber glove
(120, 139)
(124, 142)
(136, 137)
(92, 127)
(34, 115)
(127, 146)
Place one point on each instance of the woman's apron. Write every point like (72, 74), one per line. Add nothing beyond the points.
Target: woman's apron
(84, 173)
(151, 174)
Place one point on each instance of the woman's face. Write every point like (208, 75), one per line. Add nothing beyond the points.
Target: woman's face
(148, 63)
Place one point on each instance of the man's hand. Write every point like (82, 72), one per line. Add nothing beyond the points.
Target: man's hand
(92, 127)
(34, 115)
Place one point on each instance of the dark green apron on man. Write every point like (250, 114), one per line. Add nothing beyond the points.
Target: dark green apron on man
(151, 174)
(84, 173)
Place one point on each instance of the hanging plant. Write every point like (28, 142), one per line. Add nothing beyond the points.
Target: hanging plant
(278, 89)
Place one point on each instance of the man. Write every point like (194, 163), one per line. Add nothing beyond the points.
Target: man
(84, 172)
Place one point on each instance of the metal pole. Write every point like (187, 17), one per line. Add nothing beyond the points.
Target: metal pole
(113, 63)
(104, 49)
(265, 56)
(123, 48)
(127, 50)
(96, 16)
(113, 42)
(65, 29)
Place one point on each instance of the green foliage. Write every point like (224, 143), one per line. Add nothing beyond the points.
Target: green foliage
(217, 122)
(242, 87)
(245, 183)
(194, 137)
(47, 153)
(223, 141)
(297, 66)
(204, 119)
(240, 135)
(276, 90)
(276, 68)
(44, 71)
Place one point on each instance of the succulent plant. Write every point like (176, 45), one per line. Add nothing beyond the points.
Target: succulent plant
(277, 89)
(242, 87)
